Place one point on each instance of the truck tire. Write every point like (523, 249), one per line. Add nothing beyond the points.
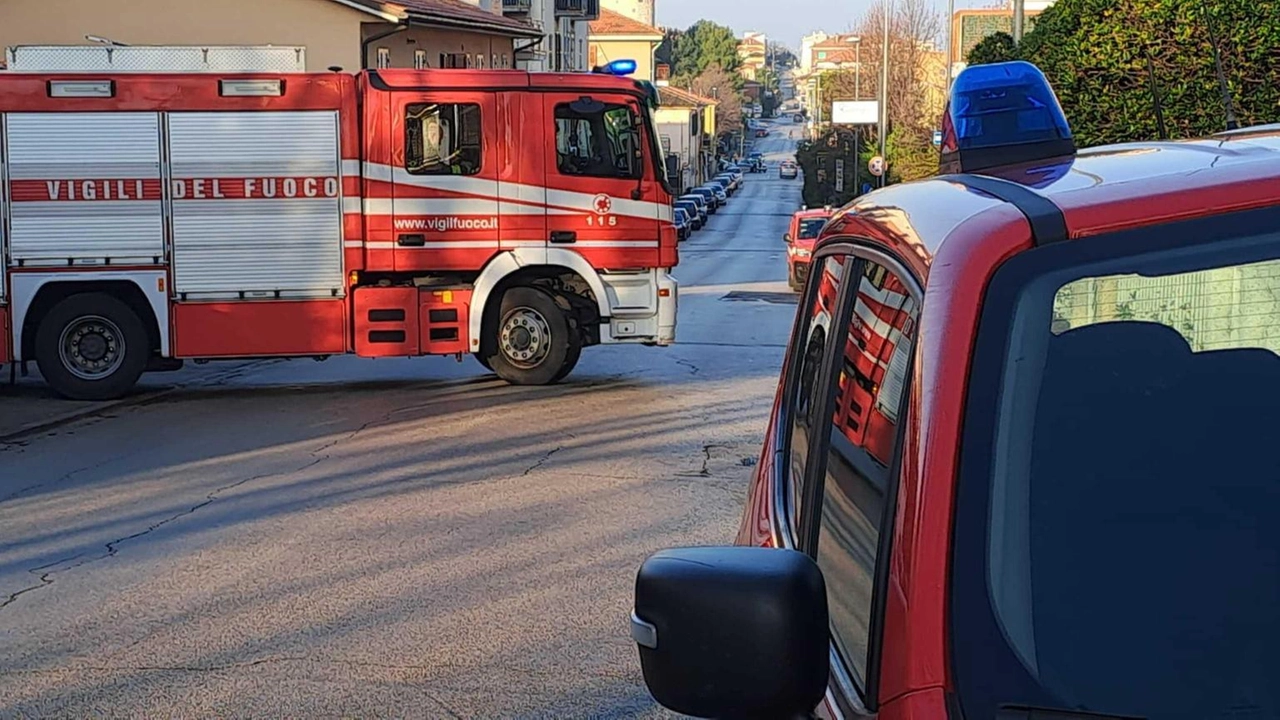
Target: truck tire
(531, 339)
(92, 347)
(571, 359)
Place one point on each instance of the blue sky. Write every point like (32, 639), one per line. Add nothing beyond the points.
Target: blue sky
(783, 20)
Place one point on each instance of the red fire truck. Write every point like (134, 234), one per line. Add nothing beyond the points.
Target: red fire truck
(150, 218)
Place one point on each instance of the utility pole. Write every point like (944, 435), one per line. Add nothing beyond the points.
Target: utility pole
(1019, 16)
(884, 90)
(951, 44)
(857, 72)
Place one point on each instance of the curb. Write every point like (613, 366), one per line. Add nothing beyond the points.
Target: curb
(145, 398)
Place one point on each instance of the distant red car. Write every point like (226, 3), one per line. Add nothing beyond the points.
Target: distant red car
(1020, 460)
(762, 132)
(803, 232)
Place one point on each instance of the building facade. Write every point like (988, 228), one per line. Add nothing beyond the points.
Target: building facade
(686, 129)
(348, 34)
(564, 27)
(618, 37)
(970, 27)
(806, 51)
(642, 11)
(753, 55)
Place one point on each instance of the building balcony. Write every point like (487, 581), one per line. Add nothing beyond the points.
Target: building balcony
(517, 7)
(578, 9)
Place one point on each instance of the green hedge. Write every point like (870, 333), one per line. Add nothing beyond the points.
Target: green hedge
(1095, 52)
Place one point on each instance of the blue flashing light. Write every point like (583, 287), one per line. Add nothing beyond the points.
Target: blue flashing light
(1003, 114)
(618, 67)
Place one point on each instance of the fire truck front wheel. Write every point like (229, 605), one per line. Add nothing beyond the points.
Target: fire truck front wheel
(91, 347)
(531, 341)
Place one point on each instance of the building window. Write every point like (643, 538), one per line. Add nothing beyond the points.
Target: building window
(442, 139)
(480, 61)
(506, 60)
(493, 61)
(419, 59)
(595, 139)
(454, 60)
(384, 57)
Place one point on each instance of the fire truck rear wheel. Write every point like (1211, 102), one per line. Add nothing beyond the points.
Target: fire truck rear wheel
(532, 342)
(92, 347)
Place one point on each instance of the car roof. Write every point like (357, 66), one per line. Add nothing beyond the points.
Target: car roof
(812, 213)
(1099, 190)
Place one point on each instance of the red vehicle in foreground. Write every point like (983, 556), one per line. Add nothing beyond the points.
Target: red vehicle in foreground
(1020, 463)
(803, 232)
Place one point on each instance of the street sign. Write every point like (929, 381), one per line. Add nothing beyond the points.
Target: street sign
(839, 175)
(855, 112)
(937, 137)
(876, 166)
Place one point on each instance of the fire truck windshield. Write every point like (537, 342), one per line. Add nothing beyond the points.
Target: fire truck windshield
(1117, 536)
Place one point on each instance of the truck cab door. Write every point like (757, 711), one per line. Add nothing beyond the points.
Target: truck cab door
(445, 164)
(600, 194)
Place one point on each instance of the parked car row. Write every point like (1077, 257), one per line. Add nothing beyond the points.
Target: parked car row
(698, 204)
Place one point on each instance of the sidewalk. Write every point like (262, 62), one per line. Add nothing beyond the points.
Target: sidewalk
(29, 405)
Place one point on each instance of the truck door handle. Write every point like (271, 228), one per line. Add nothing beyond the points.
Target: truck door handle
(563, 236)
(411, 240)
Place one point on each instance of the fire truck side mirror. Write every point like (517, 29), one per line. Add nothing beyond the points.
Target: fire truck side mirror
(335, 68)
(786, 238)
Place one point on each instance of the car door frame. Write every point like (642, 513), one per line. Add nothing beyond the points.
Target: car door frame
(843, 698)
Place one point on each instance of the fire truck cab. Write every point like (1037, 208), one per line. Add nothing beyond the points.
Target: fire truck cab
(1020, 462)
(149, 217)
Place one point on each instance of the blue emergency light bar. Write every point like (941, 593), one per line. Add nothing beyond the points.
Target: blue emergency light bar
(617, 67)
(1002, 114)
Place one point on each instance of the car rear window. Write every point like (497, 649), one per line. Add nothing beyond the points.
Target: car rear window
(1119, 504)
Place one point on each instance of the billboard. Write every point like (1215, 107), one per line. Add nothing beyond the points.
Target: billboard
(855, 112)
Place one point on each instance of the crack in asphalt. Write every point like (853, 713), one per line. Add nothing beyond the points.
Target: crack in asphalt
(47, 571)
(67, 476)
(693, 369)
(541, 461)
(706, 460)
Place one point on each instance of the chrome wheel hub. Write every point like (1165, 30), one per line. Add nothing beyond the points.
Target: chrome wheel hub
(525, 338)
(91, 348)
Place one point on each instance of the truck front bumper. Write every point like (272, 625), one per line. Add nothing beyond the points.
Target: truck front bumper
(642, 307)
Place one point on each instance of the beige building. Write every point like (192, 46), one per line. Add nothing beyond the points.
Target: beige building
(409, 33)
(618, 37)
(642, 11)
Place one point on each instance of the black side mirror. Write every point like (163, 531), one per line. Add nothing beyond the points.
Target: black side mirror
(786, 238)
(733, 632)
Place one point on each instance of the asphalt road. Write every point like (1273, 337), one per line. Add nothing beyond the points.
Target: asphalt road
(407, 538)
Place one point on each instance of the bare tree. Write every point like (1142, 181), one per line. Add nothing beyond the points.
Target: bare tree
(914, 27)
(719, 85)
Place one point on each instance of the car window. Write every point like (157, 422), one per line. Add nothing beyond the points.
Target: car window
(810, 227)
(1120, 517)
(875, 351)
(806, 398)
